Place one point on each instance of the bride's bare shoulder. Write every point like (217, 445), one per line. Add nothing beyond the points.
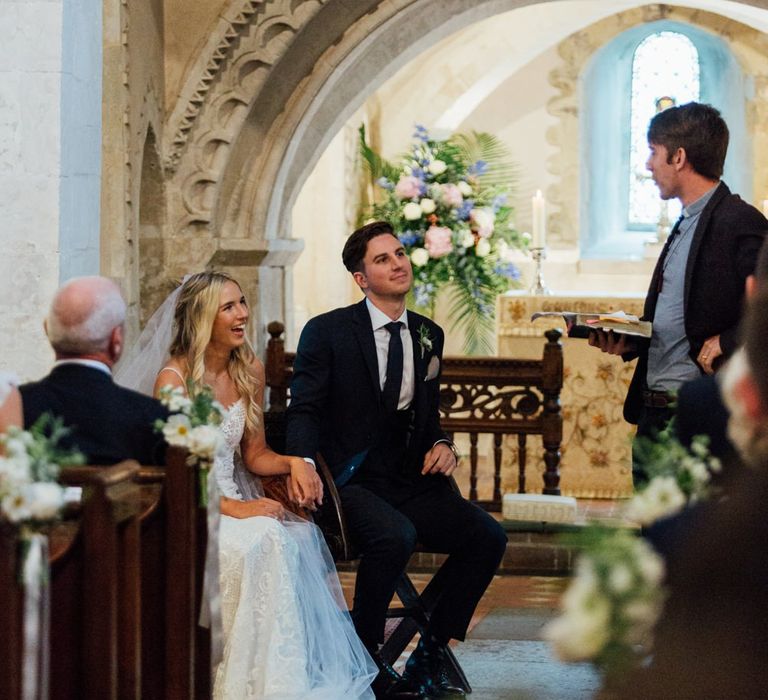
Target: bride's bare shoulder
(174, 374)
(256, 368)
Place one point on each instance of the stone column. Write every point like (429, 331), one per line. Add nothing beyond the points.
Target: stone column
(50, 106)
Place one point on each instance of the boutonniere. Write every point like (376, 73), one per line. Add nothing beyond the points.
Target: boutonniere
(425, 340)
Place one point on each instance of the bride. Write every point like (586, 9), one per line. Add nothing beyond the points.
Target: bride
(287, 634)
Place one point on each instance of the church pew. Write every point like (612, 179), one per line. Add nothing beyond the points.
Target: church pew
(126, 575)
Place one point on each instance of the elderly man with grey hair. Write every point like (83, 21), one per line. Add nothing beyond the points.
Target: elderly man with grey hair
(108, 423)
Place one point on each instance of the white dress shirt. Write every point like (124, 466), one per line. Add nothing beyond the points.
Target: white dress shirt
(381, 335)
(93, 364)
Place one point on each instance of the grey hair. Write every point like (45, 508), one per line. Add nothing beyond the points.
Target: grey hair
(83, 315)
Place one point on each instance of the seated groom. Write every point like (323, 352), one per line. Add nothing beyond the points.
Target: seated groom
(108, 423)
(364, 393)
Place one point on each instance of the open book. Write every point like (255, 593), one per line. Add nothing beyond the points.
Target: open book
(580, 324)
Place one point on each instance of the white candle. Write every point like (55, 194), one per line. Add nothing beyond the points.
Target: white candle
(765, 208)
(539, 220)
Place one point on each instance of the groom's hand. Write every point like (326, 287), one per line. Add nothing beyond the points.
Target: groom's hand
(440, 460)
(304, 485)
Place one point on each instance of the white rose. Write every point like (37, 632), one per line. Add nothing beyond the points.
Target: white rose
(204, 441)
(412, 211)
(464, 187)
(176, 430)
(436, 167)
(44, 499)
(467, 239)
(650, 564)
(483, 220)
(428, 205)
(661, 497)
(482, 248)
(580, 633)
(419, 257)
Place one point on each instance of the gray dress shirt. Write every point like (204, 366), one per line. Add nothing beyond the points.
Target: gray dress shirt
(669, 364)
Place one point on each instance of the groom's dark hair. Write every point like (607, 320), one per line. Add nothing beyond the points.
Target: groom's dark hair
(356, 245)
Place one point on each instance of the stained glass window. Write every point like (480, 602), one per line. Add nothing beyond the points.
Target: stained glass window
(665, 65)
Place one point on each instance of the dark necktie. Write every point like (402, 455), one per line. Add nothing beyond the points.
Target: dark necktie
(391, 392)
(665, 251)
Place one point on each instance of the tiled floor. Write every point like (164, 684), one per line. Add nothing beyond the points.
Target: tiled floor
(504, 657)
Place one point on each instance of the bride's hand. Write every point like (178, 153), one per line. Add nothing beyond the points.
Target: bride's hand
(265, 507)
(304, 485)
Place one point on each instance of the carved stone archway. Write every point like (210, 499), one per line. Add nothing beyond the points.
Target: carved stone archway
(277, 81)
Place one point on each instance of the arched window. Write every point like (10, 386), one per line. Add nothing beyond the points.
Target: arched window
(665, 65)
(618, 202)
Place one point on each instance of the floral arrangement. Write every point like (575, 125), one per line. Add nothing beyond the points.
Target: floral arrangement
(615, 598)
(194, 425)
(30, 462)
(448, 203)
(612, 605)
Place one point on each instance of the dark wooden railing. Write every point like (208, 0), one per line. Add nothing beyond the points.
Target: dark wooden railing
(478, 395)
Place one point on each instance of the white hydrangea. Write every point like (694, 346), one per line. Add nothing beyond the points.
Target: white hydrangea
(412, 211)
(437, 167)
(419, 257)
(427, 205)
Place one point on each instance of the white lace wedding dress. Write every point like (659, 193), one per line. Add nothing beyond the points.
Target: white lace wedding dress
(287, 634)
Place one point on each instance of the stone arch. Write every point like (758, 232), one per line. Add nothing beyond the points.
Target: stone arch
(275, 90)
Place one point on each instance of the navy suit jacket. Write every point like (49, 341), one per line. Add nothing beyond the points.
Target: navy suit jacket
(336, 406)
(109, 423)
(723, 254)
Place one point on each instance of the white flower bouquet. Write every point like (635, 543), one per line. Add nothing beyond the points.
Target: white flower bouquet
(616, 596)
(612, 604)
(194, 425)
(30, 461)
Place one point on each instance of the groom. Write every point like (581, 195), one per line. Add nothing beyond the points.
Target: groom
(365, 394)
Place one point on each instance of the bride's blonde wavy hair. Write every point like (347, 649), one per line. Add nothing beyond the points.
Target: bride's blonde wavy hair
(195, 313)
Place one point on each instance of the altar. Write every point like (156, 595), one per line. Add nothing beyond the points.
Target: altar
(596, 452)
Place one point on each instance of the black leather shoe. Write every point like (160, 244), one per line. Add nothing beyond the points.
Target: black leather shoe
(426, 667)
(390, 685)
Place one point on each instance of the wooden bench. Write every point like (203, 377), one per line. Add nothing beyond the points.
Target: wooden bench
(499, 396)
(125, 582)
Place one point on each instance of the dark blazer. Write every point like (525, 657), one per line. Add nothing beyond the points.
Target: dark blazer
(336, 406)
(108, 422)
(723, 254)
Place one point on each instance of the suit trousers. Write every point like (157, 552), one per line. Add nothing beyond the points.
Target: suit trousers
(440, 520)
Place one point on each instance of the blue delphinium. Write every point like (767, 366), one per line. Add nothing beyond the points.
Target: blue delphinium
(385, 184)
(508, 270)
(421, 133)
(408, 238)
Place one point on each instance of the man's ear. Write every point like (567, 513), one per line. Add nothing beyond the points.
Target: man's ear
(750, 286)
(45, 327)
(746, 391)
(361, 279)
(680, 158)
(116, 342)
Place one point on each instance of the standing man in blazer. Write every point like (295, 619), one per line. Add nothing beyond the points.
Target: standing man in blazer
(108, 423)
(365, 394)
(697, 290)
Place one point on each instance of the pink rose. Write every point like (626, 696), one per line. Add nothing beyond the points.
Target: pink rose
(451, 195)
(437, 241)
(408, 187)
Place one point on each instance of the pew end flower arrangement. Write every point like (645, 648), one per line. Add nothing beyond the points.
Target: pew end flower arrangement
(30, 463)
(614, 601)
(193, 425)
(448, 202)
